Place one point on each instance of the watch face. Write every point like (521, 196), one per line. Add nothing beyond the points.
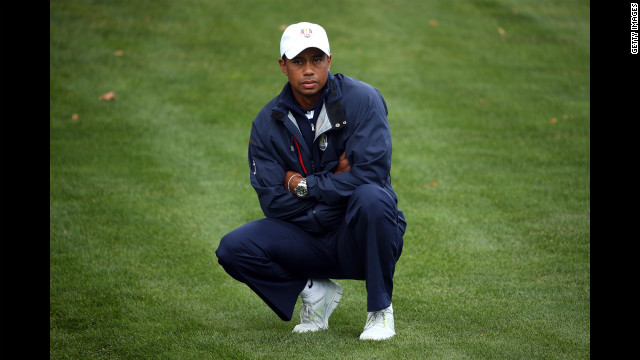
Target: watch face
(301, 189)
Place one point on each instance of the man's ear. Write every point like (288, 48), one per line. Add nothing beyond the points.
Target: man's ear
(283, 66)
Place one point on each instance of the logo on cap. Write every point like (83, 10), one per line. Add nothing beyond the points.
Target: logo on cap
(306, 32)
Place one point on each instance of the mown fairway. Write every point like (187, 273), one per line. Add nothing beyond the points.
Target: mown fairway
(489, 108)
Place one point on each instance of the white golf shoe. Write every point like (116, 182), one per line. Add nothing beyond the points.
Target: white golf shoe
(379, 325)
(315, 316)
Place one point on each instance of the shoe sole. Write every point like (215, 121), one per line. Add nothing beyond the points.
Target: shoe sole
(377, 338)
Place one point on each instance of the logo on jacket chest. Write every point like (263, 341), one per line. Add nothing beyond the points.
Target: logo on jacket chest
(323, 142)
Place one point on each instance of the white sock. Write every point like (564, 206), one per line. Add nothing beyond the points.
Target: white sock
(312, 292)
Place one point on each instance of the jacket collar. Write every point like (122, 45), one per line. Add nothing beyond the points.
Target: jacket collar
(287, 101)
(332, 107)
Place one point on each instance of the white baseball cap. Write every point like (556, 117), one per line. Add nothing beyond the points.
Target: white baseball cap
(300, 36)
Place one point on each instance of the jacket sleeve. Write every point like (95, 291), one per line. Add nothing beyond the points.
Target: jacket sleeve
(267, 178)
(368, 149)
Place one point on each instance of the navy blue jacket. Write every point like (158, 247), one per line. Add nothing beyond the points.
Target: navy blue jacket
(352, 120)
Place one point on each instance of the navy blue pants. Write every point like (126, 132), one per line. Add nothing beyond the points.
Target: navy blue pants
(275, 258)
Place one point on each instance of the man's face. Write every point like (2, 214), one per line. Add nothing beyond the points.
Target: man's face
(307, 73)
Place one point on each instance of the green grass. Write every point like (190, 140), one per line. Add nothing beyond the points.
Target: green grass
(489, 107)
